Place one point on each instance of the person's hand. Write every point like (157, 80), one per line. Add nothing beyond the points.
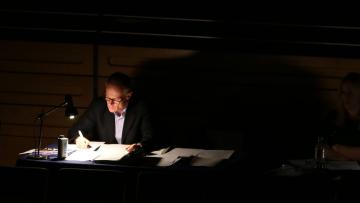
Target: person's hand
(332, 153)
(133, 147)
(82, 143)
(349, 152)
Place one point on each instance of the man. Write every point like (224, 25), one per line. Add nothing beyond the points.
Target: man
(345, 140)
(116, 118)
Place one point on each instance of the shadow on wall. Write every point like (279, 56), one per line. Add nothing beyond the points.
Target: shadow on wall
(254, 104)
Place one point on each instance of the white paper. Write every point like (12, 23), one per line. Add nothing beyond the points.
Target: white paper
(77, 154)
(44, 152)
(343, 165)
(112, 152)
(202, 157)
(27, 152)
(169, 158)
(159, 153)
(200, 161)
(99, 151)
(216, 154)
(83, 155)
(71, 147)
(211, 157)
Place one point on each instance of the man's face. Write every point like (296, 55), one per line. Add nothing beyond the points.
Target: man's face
(351, 98)
(116, 98)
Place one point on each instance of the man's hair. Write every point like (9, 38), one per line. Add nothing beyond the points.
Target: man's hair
(352, 78)
(120, 80)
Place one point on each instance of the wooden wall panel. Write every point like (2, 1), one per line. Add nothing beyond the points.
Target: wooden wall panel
(39, 89)
(231, 71)
(25, 115)
(38, 57)
(34, 77)
(27, 131)
(129, 59)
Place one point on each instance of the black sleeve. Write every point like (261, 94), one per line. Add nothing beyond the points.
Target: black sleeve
(86, 123)
(346, 136)
(146, 129)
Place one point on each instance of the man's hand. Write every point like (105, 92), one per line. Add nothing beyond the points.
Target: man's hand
(349, 152)
(82, 143)
(332, 153)
(133, 147)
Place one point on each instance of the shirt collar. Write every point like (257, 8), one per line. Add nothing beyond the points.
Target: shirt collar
(122, 113)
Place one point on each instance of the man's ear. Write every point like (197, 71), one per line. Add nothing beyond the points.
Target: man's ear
(129, 95)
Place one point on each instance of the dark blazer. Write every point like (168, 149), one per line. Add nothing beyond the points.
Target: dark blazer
(98, 124)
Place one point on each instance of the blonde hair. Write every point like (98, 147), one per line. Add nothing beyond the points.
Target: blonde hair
(353, 79)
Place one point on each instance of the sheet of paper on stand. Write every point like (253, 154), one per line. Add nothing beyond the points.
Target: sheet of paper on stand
(199, 161)
(169, 158)
(211, 157)
(216, 154)
(202, 157)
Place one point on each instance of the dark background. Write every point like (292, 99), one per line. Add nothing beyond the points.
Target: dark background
(259, 79)
(265, 28)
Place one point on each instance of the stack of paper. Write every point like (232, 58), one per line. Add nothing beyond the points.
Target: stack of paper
(211, 157)
(202, 157)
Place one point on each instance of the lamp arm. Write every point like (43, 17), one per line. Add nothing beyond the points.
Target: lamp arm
(40, 137)
(42, 115)
(69, 107)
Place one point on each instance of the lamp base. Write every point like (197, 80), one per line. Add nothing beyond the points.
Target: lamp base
(36, 157)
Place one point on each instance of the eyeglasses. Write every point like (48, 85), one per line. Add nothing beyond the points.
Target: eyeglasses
(115, 101)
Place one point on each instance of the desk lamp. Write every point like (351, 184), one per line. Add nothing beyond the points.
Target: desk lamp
(70, 112)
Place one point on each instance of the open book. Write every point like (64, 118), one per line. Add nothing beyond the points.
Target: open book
(112, 152)
(99, 151)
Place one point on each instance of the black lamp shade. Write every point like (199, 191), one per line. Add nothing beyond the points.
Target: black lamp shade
(70, 111)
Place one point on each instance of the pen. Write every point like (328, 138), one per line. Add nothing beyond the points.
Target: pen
(81, 135)
(176, 160)
(165, 150)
